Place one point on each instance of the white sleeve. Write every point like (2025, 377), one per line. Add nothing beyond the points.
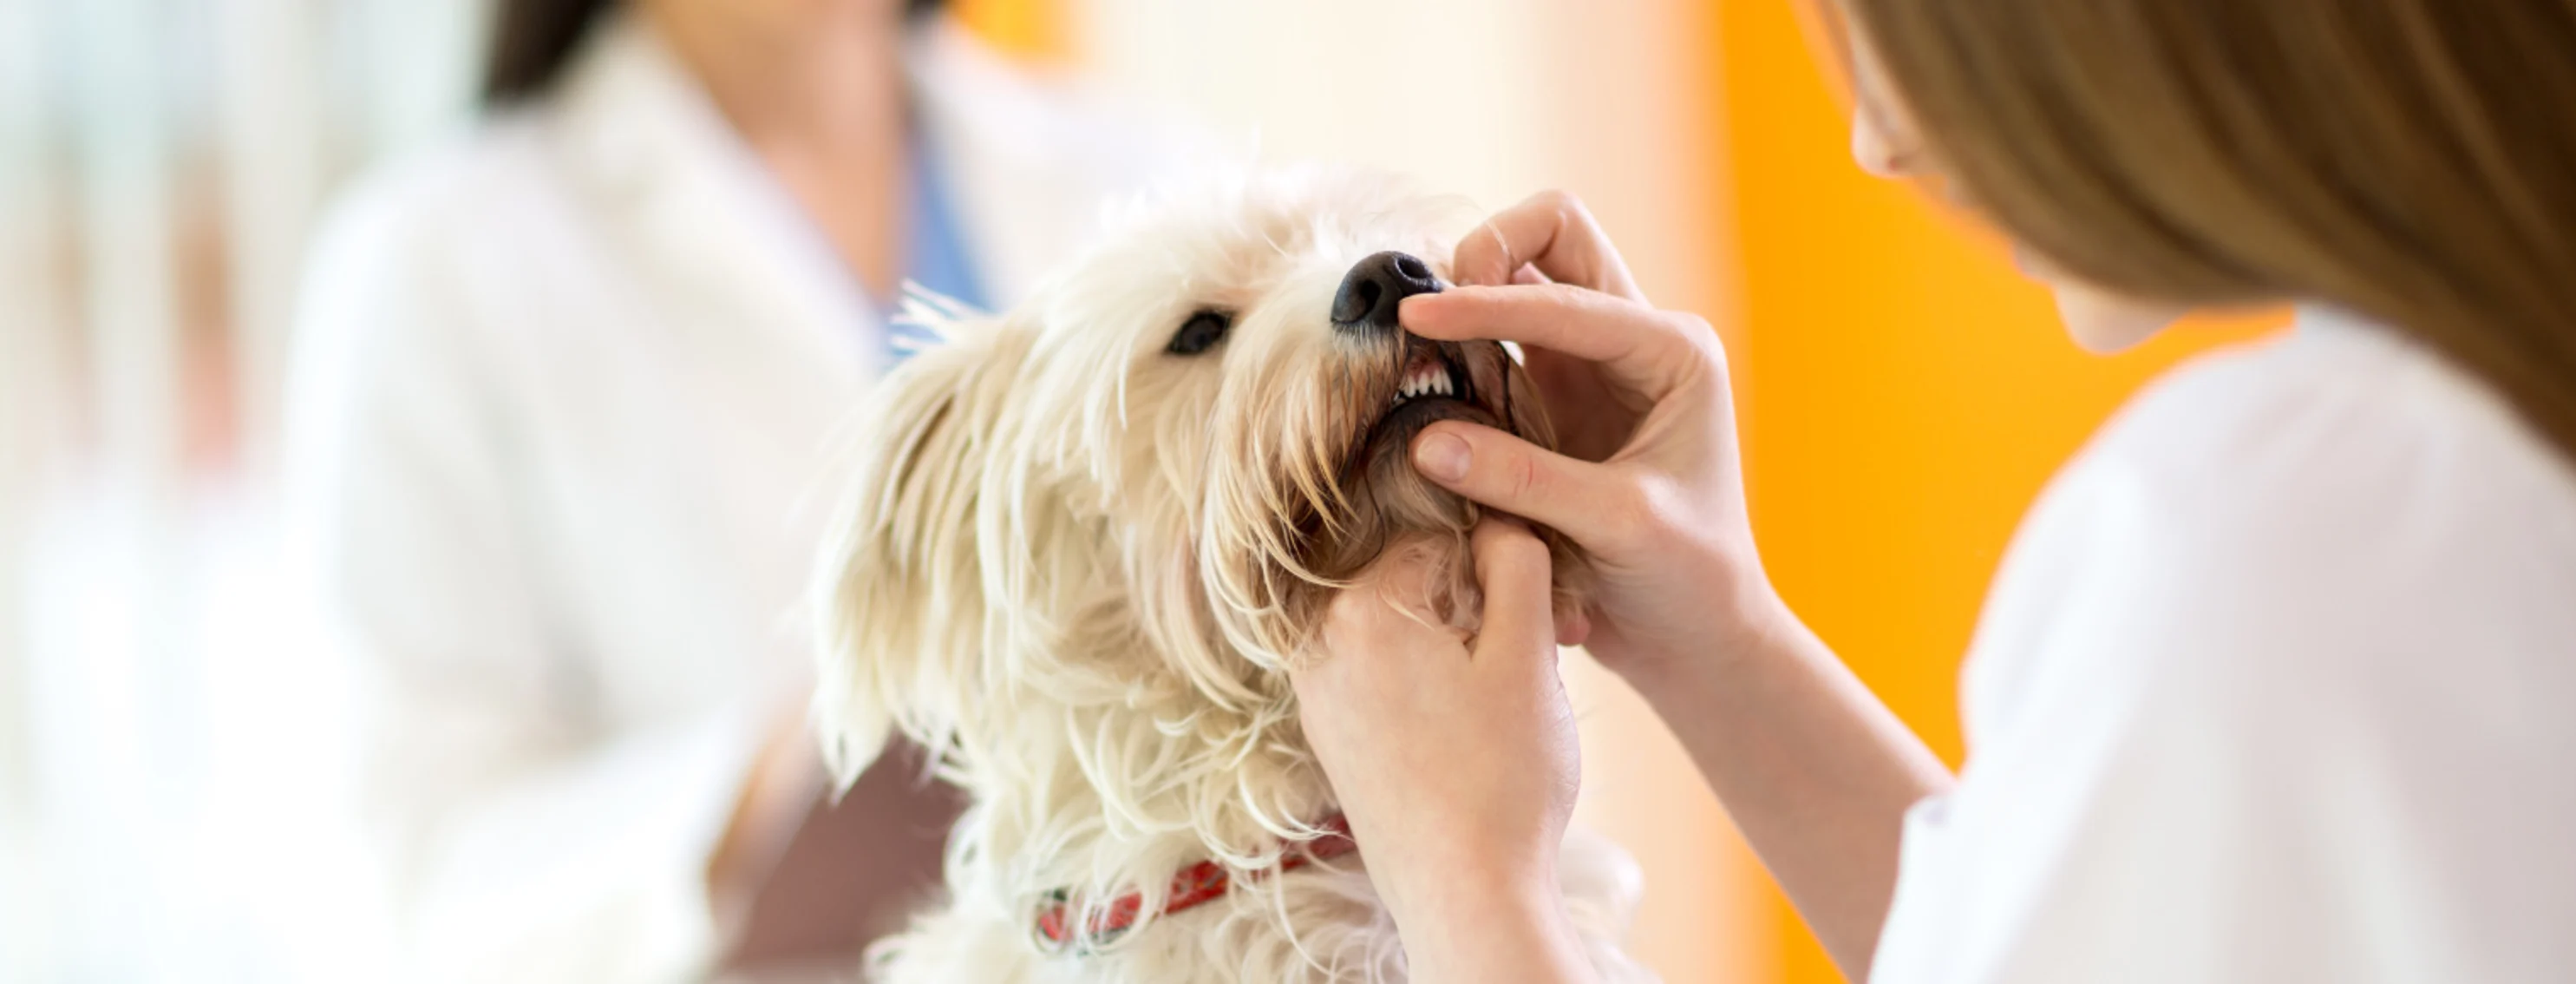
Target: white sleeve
(524, 842)
(2215, 744)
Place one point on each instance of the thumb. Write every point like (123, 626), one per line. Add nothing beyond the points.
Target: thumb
(1513, 569)
(1502, 471)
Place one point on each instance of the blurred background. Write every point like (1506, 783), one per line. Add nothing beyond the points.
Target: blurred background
(173, 739)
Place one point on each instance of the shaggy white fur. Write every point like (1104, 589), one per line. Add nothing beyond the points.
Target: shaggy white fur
(1080, 560)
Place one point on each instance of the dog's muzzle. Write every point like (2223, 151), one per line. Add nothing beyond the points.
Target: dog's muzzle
(1375, 288)
(1402, 383)
(1435, 380)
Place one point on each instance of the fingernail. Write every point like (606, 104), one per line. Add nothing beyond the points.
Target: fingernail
(1443, 457)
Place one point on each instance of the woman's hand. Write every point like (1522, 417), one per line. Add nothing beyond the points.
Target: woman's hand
(1815, 771)
(1649, 480)
(1454, 759)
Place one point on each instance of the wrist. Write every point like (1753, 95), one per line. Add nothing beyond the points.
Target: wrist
(1438, 882)
(1744, 626)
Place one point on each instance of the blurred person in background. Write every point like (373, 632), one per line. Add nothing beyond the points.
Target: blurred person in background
(563, 400)
(2275, 682)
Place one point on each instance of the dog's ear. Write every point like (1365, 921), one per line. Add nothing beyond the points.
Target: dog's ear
(901, 587)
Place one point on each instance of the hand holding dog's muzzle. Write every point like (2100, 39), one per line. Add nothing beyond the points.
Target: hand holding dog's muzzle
(1648, 481)
(1453, 756)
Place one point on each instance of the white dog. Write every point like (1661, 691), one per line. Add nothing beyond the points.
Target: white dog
(1089, 539)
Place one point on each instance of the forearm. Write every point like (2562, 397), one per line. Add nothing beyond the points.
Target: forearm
(1812, 767)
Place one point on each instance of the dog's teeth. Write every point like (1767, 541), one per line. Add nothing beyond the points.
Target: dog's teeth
(1426, 381)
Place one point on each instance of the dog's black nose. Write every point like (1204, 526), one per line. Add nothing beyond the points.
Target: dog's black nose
(1375, 286)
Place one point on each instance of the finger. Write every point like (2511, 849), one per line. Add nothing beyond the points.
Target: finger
(1504, 472)
(1512, 567)
(1642, 347)
(1551, 232)
(1573, 625)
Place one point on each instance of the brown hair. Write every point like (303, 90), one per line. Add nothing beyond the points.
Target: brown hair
(2413, 161)
(533, 40)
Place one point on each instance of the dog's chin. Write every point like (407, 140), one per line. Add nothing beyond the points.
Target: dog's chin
(1388, 506)
(1404, 499)
(1393, 435)
(1390, 501)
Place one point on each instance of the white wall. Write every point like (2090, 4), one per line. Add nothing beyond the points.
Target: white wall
(1496, 99)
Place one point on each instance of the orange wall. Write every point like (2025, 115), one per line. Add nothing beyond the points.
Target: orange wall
(1906, 392)
(1027, 28)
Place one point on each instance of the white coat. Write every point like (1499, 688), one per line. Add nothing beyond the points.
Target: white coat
(558, 442)
(2278, 684)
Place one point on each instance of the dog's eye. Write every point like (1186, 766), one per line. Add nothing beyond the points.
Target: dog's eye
(1200, 333)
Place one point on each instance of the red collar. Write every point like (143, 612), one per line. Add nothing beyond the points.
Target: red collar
(1195, 885)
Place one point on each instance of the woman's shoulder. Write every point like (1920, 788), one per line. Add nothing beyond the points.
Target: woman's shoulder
(460, 198)
(2332, 509)
(2333, 374)
(2340, 425)
(398, 276)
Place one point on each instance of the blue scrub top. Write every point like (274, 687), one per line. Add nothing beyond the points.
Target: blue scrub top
(937, 257)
